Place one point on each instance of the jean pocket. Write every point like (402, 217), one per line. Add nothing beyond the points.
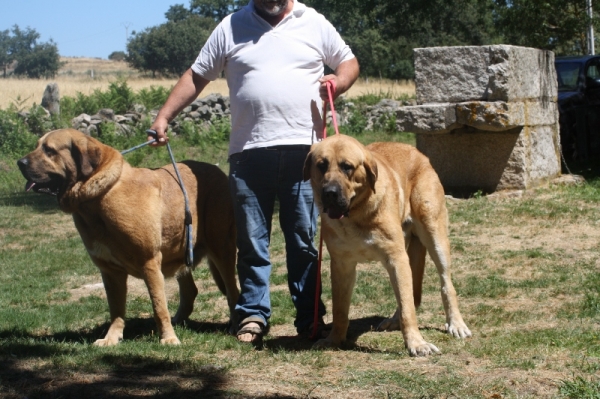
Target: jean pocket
(239, 157)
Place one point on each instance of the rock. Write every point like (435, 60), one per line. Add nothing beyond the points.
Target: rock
(484, 73)
(51, 99)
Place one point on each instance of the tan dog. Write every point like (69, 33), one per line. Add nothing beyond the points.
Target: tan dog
(131, 221)
(382, 203)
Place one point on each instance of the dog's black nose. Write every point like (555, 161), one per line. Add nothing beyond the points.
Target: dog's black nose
(330, 194)
(22, 164)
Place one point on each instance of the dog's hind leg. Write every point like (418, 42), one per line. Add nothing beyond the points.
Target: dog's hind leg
(222, 268)
(416, 255)
(187, 295)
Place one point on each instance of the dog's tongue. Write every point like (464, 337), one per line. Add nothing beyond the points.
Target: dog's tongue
(334, 213)
(29, 185)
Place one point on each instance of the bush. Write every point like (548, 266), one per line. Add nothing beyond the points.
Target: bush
(117, 56)
(119, 97)
(153, 97)
(15, 138)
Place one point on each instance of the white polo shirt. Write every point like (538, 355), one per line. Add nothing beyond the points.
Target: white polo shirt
(272, 74)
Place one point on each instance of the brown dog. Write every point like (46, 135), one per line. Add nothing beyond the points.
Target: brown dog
(382, 203)
(131, 221)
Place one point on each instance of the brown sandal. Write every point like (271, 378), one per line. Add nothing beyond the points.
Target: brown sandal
(258, 331)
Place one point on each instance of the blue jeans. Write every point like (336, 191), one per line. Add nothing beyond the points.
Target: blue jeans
(257, 178)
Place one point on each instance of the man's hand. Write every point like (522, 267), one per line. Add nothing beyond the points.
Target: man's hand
(323, 93)
(345, 75)
(160, 127)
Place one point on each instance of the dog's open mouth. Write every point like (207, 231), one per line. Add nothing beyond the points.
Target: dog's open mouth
(335, 213)
(41, 188)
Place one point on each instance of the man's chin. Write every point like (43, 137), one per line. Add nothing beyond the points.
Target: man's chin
(271, 10)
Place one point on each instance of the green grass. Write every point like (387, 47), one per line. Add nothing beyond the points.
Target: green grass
(526, 271)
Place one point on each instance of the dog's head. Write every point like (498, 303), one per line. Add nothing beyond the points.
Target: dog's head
(62, 160)
(342, 174)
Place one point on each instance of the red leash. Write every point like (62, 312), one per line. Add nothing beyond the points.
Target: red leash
(330, 84)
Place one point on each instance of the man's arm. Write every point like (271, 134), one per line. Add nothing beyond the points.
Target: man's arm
(186, 90)
(344, 77)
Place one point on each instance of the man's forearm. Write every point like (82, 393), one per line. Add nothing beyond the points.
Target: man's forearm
(184, 93)
(347, 73)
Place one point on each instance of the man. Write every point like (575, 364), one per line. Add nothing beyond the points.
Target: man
(272, 52)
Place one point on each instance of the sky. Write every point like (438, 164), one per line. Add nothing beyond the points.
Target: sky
(83, 28)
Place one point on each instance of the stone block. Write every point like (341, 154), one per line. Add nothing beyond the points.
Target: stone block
(484, 73)
(430, 118)
(51, 99)
(491, 116)
(468, 159)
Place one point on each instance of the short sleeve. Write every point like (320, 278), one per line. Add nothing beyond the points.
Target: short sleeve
(211, 60)
(336, 50)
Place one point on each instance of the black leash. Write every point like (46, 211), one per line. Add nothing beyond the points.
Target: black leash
(189, 248)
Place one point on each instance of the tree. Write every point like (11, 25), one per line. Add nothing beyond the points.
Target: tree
(215, 9)
(117, 56)
(383, 33)
(177, 13)
(41, 61)
(170, 48)
(34, 59)
(555, 25)
(6, 57)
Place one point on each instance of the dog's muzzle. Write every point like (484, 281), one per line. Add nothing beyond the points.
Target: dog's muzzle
(45, 188)
(335, 204)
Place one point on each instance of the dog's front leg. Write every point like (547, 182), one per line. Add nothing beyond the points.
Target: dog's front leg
(115, 285)
(343, 278)
(399, 271)
(155, 282)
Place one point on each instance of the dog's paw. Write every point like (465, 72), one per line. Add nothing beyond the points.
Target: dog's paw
(423, 349)
(170, 341)
(106, 342)
(458, 330)
(178, 320)
(325, 344)
(391, 324)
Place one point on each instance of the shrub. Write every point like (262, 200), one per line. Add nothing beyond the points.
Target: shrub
(15, 137)
(153, 97)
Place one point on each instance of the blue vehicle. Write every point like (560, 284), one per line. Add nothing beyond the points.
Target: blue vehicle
(579, 106)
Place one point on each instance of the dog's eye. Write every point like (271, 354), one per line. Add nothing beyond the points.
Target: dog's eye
(323, 165)
(347, 167)
(48, 151)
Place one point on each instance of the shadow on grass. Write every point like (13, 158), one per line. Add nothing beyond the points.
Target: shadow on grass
(356, 328)
(153, 378)
(27, 369)
(134, 329)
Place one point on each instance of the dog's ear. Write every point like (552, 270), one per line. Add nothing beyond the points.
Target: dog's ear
(371, 167)
(307, 167)
(86, 155)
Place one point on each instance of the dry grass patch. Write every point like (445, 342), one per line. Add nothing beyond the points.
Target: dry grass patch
(85, 75)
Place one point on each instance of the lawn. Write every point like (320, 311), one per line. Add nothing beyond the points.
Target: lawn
(526, 269)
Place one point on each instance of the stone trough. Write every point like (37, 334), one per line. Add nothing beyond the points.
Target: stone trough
(486, 116)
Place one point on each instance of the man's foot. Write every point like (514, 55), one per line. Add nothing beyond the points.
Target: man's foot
(251, 332)
(322, 331)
